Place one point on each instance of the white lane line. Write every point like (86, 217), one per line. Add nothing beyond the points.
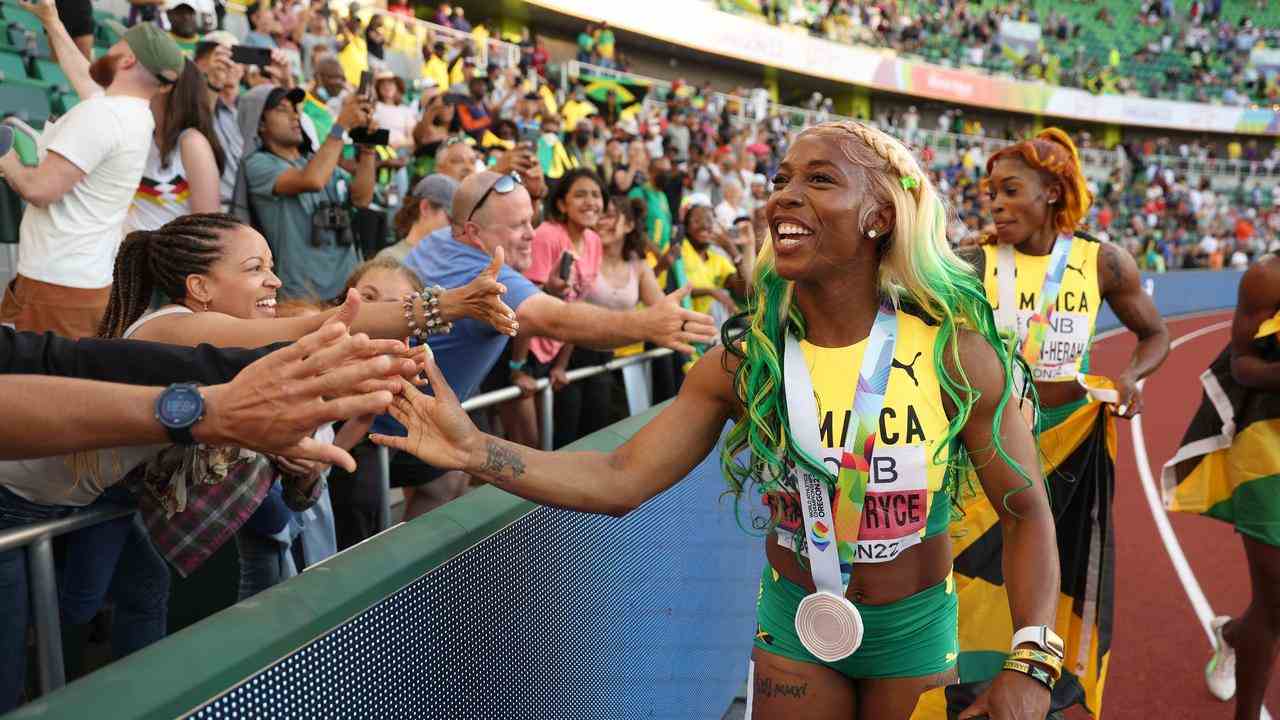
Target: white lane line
(1204, 613)
(1180, 565)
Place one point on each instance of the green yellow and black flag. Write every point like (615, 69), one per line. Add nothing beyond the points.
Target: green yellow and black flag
(1228, 466)
(629, 93)
(1078, 451)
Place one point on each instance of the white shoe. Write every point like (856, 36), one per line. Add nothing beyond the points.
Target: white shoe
(1220, 673)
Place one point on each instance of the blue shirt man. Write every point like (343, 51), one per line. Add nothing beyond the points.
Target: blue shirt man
(492, 211)
(467, 354)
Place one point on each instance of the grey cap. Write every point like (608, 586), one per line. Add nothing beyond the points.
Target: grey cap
(438, 190)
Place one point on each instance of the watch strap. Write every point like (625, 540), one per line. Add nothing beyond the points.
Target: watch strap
(180, 435)
(1043, 637)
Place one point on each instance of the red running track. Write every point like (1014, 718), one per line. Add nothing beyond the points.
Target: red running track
(1159, 649)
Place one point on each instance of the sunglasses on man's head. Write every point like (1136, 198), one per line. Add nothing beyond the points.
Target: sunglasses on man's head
(502, 186)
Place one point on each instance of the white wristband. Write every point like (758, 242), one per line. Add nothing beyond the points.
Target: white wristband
(1043, 637)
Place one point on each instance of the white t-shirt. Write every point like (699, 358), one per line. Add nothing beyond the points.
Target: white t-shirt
(399, 120)
(73, 242)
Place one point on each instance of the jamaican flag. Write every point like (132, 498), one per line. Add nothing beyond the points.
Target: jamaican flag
(1078, 451)
(1228, 466)
(629, 93)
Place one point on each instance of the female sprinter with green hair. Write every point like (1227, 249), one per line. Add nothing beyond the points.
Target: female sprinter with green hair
(1046, 282)
(871, 372)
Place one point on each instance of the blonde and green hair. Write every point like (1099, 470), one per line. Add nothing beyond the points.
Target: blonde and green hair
(918, 270)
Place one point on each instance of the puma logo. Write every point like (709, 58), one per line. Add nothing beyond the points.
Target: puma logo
(1077, 269)
(910, 369)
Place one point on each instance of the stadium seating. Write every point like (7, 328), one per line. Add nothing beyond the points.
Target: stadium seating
(1085, 58)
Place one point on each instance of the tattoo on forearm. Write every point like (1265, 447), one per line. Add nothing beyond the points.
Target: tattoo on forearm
(767, 688)
(500, 459)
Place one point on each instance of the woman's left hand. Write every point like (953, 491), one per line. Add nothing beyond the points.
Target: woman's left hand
(1130, 396)
(1011, 696)
(481, 299)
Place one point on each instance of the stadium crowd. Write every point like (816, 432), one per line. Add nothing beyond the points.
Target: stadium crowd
(1158, 48)
(319, 172)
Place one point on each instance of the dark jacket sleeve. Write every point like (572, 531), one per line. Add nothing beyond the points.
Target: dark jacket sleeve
(133, 362)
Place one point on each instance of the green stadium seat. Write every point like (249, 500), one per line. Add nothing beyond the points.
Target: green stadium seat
(12, 67)
(32, 43)
(64, 101)
(26, 100)
(15, 15)
(51, 74)
(104, 36)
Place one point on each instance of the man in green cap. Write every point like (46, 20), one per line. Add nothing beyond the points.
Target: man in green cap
(79, 193)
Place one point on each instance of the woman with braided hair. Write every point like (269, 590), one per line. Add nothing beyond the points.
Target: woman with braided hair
(866, 373)
(217, 273)
(1046, 281)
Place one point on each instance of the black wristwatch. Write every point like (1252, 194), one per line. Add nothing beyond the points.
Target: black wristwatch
(179, 407)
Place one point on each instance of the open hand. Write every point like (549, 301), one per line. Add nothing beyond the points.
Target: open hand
(275, 404)
(481, 299)
(440, 433)
(672, 326)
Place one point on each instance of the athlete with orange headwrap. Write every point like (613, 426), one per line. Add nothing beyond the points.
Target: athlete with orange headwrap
(1047, 281)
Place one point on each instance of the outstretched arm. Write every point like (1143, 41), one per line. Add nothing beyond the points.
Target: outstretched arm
(615, 483)
(73, 62)
(272, 406)
(480, 299)
(1259, 299)
(666, 323)
(1026, 521)
(1121, 287)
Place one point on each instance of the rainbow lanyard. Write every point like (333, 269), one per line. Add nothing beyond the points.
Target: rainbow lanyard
(822, 526)
(1038, 325)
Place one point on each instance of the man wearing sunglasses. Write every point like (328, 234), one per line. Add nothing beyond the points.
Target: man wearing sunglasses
(492, 211)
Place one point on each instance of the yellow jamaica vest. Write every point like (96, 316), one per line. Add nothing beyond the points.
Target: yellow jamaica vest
(1075, 313)
(907, 505)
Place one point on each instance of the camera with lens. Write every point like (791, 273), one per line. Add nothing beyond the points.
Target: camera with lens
(331, 224)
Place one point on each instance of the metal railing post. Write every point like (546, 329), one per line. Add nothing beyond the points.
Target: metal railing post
(44, 611)
(384, 480)
(547, 418)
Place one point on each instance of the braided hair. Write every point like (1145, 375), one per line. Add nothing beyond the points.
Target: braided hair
(160, 260)
(918, 268)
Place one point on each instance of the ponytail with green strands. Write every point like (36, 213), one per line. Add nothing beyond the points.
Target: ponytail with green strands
(918, 270)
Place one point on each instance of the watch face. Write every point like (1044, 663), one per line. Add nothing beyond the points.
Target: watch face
(180, 406)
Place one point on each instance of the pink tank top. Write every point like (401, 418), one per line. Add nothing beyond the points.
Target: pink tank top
(621, 297)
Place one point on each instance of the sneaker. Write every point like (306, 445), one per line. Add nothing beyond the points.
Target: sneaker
(1220, 673)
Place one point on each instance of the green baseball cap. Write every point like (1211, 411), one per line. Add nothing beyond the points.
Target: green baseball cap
(153, 47)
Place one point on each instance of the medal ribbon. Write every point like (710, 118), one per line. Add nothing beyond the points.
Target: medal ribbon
(1038, 325)
(822, 526)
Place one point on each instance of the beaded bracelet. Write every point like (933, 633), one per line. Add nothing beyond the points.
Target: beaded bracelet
(1038, 674)
(1051, 662)
(433, 323)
